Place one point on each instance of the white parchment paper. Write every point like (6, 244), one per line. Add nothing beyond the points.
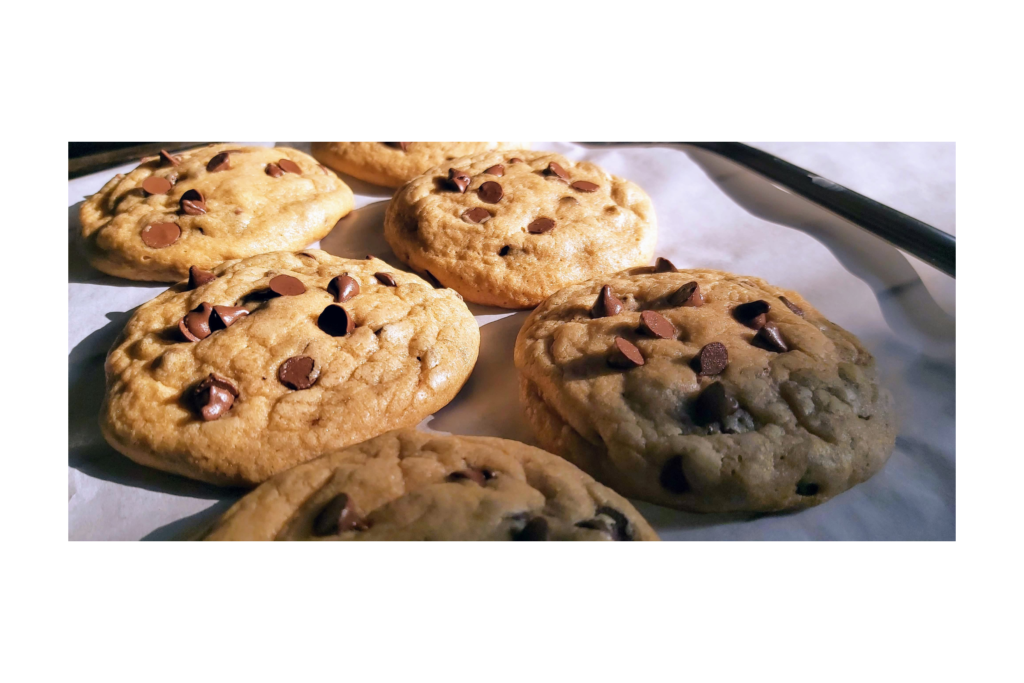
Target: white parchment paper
(913, 497)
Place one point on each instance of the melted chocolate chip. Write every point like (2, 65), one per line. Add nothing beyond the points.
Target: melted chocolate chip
(458, 180)
(160, 235)
(286, 285)
(606, 304)
(337, 516)
(497, 170)
(192, 203)
(335, 321)
(663, 265)
(289, 166)
(220, 162)
(198, 277)
(168, 159)
(298, 372)
(584, 186)
(386, 279)
(687, 295)
(274, 171)
(404, 146)
(490, 192)
(226, 316)
(537, 529)
(195, 324)
(753, 314)
(156, 185)
(540, 225)
(712, 359)
(714, 405)
(672, 476)
(556, 171)
(792, 306)
(769, 338)
(343, 288)
(624, 354)
(214, 396)
(476, 215)
(656, 325)
(610, 521)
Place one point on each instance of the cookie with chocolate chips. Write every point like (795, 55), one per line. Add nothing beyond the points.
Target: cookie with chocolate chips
(703, 390)
(264, 363)
(209, 205)
(412, 486)
(514, 236)
(393, 163)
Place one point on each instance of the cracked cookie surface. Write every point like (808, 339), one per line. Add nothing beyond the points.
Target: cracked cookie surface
(517, 226)
(392, 164)
(291, 360)
(414, 486)
(208, 205)
(726, 405)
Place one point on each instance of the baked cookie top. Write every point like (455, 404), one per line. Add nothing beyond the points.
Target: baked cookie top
(413, 486)
(276, 359)
(208, 205)
(703, 390)
(393, 163)
(511, 228)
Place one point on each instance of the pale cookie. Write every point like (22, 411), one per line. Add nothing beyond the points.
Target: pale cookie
(276, 359)
(703, 390)
(511, 228)
(393, 163)
(413, 486)
(209, 205)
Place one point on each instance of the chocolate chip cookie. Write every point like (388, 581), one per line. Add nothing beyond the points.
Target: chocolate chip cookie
(393, 163)
(703, 390)
(511, 228)
(273, 360)
(208, 205)
(413, 486)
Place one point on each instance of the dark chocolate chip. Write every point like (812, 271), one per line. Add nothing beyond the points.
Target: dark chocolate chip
(584, 186)
(274, 171)
(624, 354)
(335, 321)
(556, 171)
(404, 146)
(504, 250)
(610, 521)
(792, 306)
(806, 489)
(672, 476)
(386, 279)
(663, 265)
(473, 474)
(297, 372)
(160, 235)
(769, 338)
(192, 203)
(753, 314)
(458, 180)
(286, 285)
(687, 295)
(714, 405)
(220, 162)
(195, 324)
(490, 192)
(227, 315)
(337, 516)
(156, 185)
(540, 225)
(343, 288)
(476, 215)
(656, 325)
(214, 396)
(289, 166)
(168, 159)
(497, 170)
(606, 304)
(712, 359)
(536, 529)
(198, 277)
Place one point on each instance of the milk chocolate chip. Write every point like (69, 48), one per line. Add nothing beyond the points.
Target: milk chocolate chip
(335, 321)
(227, 315)
(753, 314)
(687, 295)
(274, 171)
(624, 355)
(343, 288)
(297, 372)
(386, 279)
(192, 203)
(584, 186)
(286, 285)
(289, 166)
(490, 192)
(712, 359)
(458, 180)
(556, 171)
(337, 516)
(607, 304)
(714, 405)
(663, 265)
(769, 337)
(160, 235)
(168, 159)
(214, 396)
(792, 306)
(540, 225)
(156, 185)
(198, 277)
(477, 214)
(404, 146)
(220, 162)
(497, 170)
(195, 324)
(656, 325)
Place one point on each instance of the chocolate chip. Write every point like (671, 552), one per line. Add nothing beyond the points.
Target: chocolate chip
(337, 516)
(556, 171)
(610, 521)
(156, 185)
(168, 159)
(806, 489)
(472, 474)
(404, 146)
(335, 321)
(504, 250)
(769, 337)
(515, 160)
(663, 265)
(753, 314)
(672, 476)
(192, 203)
(568, 201)
(274, 171)
(536, 529)
(584, 186)
(458, 180)
(490, 192)
(289, 166)
(198, 277)
(656, 325)
(386, 279)
(214, 396)
(606, 304)
(160, 235)
(297, 372)
(540, 225)
(220, 162)
(714, 405)
(497, 170)
(712, 359)
(687, 295)
(476, 215)
(195, 324)
(792, 306)
(624, 354)
(286, 285)
(227, 315)
(343, 288)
